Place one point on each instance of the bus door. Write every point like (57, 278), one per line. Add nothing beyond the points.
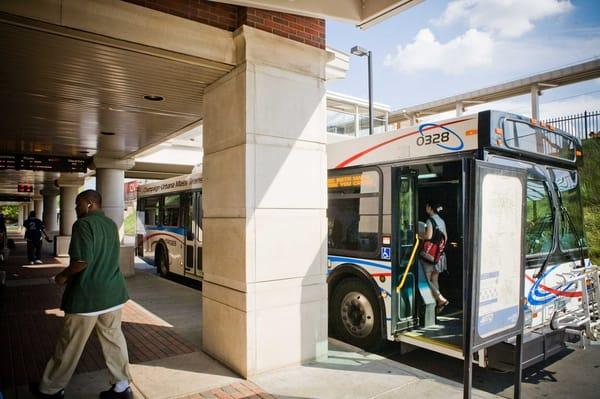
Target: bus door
(190, 235)
(404, 229)
(198, 234)
(193, 233)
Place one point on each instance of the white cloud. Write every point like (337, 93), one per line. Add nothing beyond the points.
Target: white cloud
(505, 18)
(472, 49)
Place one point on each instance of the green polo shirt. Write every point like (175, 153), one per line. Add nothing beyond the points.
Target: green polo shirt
(95, 241)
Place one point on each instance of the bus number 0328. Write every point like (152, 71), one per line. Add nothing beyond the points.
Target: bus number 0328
(434, 138)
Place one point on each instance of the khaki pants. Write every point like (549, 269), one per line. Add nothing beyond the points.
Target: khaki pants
(73, 337)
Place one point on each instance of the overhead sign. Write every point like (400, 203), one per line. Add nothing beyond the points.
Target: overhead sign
(43, 162)
(131, 190)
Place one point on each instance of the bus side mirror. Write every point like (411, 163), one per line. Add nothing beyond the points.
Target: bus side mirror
(190, 235)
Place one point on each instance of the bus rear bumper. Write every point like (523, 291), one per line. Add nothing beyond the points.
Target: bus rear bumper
(537, 347)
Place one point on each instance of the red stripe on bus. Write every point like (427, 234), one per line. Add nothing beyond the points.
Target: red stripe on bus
(163, 234)
(381, 274)
(368, 150)
(570, 294)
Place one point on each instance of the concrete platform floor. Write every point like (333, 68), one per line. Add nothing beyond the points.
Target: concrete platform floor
(175, 310)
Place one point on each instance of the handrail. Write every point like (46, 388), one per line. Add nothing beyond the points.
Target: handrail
(408, 266)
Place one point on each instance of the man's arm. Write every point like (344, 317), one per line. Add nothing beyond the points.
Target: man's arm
(75, 267)
(80, 252)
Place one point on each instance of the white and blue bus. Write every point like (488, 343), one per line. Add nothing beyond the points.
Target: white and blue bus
(377, 188)
(171, 212)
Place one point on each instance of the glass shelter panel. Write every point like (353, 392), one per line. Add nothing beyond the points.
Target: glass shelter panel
(341, 122)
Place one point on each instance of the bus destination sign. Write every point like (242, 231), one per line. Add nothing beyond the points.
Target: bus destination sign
(43, 162)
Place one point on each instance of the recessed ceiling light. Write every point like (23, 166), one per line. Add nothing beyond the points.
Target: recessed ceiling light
(153, 97)
(107, 133)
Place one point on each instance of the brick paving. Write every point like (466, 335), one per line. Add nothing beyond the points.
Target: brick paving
(242, 390)
(30, 321)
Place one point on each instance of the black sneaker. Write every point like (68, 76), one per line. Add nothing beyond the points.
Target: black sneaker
(111, 394)
(34, 388)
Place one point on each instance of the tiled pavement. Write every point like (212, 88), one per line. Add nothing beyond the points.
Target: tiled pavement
(242, 390)
(30, 321)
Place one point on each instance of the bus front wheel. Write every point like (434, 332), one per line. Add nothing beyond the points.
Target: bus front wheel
(162, 268)
(355, 313)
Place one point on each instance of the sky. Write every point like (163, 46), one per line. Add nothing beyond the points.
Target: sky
(441, 48)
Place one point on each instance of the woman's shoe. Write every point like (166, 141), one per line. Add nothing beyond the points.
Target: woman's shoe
(441, 306)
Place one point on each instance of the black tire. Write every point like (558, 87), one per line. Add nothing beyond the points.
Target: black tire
(162, 266)
(355, 315)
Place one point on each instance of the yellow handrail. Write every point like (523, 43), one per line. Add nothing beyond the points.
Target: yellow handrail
(408, 266)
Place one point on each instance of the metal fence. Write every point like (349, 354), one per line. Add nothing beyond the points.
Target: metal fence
(579, 125)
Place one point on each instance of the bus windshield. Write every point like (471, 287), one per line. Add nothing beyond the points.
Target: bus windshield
(540, 218)
(572, 235)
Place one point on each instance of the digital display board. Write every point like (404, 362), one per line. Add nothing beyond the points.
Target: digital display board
(43, 162)
(344, 181)
(24, 188)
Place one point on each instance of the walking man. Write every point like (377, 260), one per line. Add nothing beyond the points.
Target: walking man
(93, 299)
(34, 228)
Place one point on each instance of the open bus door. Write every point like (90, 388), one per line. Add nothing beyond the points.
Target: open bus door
(192, 208)
(414, 319)
(404, 244)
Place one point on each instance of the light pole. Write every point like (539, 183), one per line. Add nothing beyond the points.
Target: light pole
(361, 52)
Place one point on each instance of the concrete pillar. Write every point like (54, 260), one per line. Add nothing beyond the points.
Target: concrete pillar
(265, 231)
(50, 209)
(460, 108)
(20, 218)
(110, 182)
(38, 205)
(69, 188)
(535, 102)
(413, 119)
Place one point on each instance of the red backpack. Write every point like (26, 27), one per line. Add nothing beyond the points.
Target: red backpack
(432, 249)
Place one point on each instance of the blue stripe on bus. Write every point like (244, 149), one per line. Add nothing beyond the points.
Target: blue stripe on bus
(170, 229)
(358, 261)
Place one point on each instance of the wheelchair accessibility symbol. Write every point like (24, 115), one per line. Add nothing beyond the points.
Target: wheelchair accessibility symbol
(386, 253)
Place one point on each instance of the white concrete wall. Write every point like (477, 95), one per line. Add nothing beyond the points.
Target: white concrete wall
(265, 199)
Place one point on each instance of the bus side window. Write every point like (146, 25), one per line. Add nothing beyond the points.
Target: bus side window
(150, 208)
(353, 212)
(171, 210)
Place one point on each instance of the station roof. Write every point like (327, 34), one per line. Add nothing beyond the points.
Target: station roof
(80, 81)
(558, 77)
(364, 13)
